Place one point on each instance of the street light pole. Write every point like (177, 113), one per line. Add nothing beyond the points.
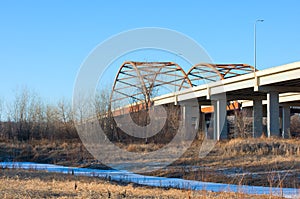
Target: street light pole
(259, 20)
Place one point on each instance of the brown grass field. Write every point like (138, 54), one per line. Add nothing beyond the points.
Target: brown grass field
(40, 184)
(262, 162)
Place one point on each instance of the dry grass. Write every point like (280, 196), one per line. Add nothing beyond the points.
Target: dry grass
(264, 156)
(250, 161)
(262, 146)
(39, 184)
(143, 147)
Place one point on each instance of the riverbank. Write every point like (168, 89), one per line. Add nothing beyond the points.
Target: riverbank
(260, 162)
(19, 183)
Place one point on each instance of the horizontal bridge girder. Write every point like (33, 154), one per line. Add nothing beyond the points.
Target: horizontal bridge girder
(280, 89)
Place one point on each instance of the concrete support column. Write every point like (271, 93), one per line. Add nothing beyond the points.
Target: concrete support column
(286, 121)
(186, 119)
(215, 125)
(202, 124)
(190, 117)
(220, 119)
(257, 118)
(273, 114)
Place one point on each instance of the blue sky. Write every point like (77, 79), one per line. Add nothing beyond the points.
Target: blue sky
(43, 43)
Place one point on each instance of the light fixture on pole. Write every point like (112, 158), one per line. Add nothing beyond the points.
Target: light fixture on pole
(259, 20)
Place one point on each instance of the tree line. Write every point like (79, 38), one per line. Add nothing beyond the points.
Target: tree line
(28, 117)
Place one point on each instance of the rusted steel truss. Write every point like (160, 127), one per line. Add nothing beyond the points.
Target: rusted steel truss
(203, 73)
(140, 82)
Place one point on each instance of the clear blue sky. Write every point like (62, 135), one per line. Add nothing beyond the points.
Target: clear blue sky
(43, 43)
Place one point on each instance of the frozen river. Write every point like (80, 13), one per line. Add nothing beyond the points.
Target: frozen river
(126, 176)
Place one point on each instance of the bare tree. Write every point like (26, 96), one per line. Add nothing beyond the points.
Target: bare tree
(36, 116)
(1, 109)
(295, 125)
(1, 121)
(50, 122)
(104, 114)
(242, 123)
(101, 103)
(65, 116)
(19, 114)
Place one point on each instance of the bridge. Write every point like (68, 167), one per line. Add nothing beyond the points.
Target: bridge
(147, 84)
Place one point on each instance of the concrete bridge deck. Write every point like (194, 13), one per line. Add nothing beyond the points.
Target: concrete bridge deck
(274, 87)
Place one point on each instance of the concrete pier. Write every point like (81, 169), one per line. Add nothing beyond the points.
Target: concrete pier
(286, 121)
(257, 118)
(273, 114)
(220, 121)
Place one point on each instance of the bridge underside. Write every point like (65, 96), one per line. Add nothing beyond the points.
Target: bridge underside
(274, 102)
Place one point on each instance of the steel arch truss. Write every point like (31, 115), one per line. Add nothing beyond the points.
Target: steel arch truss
(203, 73)
(139, 82)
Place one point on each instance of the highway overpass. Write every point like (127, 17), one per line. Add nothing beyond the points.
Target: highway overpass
(223, 83)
